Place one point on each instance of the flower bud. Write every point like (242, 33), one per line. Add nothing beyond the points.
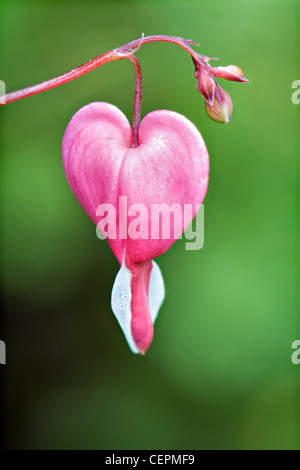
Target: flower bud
(206, 85)
(221, 109)
(231, 72)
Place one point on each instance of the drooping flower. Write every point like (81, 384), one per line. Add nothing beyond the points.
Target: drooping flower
(161, 162)
(169, 166)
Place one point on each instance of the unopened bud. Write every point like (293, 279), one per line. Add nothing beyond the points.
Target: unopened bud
(206, 85)
(231, 72)
(221, 109)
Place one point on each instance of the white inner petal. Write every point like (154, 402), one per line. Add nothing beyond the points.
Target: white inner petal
(121, 299)
(121, 304)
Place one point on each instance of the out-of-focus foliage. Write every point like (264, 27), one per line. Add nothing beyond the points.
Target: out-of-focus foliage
(219, 373)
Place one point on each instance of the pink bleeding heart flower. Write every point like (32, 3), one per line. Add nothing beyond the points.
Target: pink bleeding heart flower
(169, 166)
(115, 173)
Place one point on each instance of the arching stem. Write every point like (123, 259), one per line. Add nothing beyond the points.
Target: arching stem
(61, 79)
(121, 52)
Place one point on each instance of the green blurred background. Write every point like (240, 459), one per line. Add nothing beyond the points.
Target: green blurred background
(218, 374)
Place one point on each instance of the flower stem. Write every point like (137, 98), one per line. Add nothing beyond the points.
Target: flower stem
(121, 52)
(61, 79)
(137, 102)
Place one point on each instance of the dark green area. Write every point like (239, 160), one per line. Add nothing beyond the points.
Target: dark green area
(219, 372)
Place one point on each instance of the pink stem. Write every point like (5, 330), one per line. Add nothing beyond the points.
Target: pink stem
(137, 102)
(122, 52)
(61, 79)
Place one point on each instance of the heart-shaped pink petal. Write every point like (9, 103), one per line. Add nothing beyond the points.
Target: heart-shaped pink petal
(169, 167)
